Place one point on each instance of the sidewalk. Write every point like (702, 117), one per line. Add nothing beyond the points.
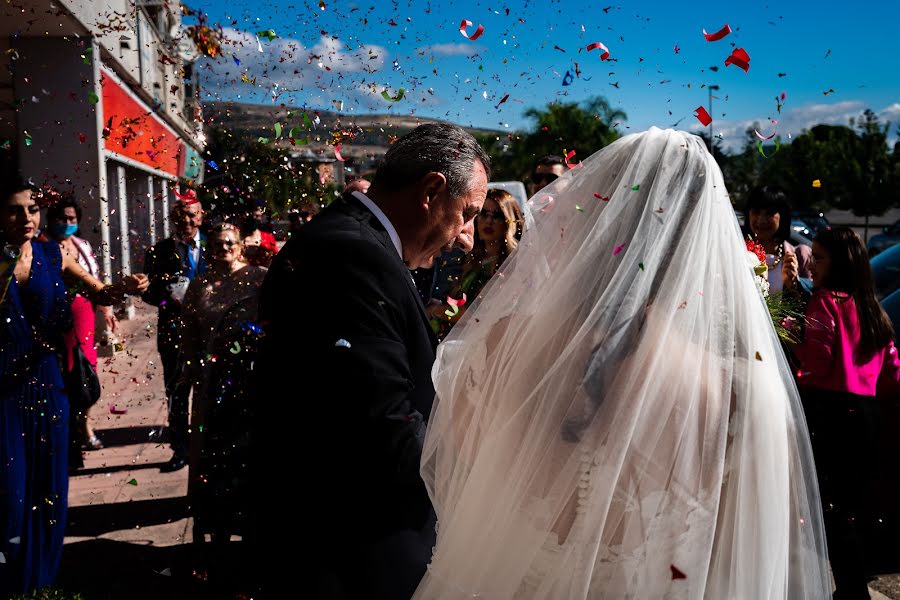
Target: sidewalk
(128, 535)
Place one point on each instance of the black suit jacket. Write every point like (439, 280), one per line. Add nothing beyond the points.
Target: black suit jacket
(346, 364)
(164, 262)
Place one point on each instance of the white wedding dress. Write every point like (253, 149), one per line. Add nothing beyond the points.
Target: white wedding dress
(614, 415)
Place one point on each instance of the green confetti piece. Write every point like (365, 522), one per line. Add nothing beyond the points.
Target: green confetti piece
(267, 34)
(262, 140)
(236, 348)
(452, 312)
(277, 130)
(641, 266)
(578, 208)
(635, 188)
(396, 98)
(27, 139)
(86, 57)
(294, 132)
(6, 145)
(306, 120)
(132, 482)
(93, 98)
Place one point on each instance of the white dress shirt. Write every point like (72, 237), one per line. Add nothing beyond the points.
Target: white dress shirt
(373, 208)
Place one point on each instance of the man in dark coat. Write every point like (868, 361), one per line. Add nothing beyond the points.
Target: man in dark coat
(346, 377)
(171, 265)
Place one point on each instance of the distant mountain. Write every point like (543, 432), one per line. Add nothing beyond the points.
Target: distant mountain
(373, 131)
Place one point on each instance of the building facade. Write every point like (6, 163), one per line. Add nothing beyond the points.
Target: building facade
(98, 98)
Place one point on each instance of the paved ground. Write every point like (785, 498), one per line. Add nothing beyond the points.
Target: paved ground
(129, 534)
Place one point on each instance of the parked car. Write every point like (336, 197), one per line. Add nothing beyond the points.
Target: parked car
(886, 271)
(890, 236)
(809, 223)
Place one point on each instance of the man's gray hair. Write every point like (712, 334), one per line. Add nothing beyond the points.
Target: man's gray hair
(435, 147)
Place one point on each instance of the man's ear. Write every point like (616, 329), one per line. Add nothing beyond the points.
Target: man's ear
(433, 184)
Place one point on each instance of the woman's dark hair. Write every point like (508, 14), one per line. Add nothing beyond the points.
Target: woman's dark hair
(57, 210)
(851, 273)
(13, 185)
(248, 226)
(774, 200)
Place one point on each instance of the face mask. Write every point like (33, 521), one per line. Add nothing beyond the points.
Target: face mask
(63, 230)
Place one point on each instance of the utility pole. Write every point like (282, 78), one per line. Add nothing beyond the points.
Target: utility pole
(712, 148)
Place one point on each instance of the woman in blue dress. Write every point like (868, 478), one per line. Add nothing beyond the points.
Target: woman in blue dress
(34, 313)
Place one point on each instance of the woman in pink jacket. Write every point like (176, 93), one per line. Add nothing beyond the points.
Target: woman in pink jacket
(846, 359)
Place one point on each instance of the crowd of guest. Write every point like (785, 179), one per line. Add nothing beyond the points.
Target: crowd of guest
(206, 285)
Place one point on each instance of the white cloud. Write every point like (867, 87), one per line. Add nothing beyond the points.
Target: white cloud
(794, 121)
(285, 65)
(460, 49)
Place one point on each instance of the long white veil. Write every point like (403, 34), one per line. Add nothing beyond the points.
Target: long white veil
(614, 415)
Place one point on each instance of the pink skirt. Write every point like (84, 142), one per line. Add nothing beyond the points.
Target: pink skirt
(82, 331)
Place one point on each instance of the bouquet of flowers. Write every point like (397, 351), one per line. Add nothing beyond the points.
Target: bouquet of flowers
(784, 309)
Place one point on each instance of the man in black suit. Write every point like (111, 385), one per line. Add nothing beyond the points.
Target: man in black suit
(346, 372)
(171, 265)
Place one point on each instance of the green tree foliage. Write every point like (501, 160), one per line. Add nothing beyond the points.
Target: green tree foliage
(251, 170)
(559, 127)
(853, 164)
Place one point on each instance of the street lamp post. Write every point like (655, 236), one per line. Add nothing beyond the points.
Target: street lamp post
(712, 149)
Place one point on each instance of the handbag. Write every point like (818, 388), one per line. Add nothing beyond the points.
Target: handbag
(82, 383)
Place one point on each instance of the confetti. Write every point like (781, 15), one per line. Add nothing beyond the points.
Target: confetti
(267, 34)
(478, 31)
(715, 37)
(337, 152)
(578, 208)
(599, 197)
(502, 100)
(277, 129)
(635, 188)
(6, 145)
(758, 356)
(759, 146)
(27, 139)
(816, 183)
(740, 59)
(213, 165)
(702, 116)
(569, 157)
(455, 302)
(567, 79)
(86, 57)
(618, 249)
(677, 573)
(117, 411)
(677, 49)
(604, 55)
(342, 343)
(452, 311)
(93, 98)
(236, 61)
(132, 482)
(82, 138)
(828, 91)
(641, 266)
(236, 348)
(396, 98)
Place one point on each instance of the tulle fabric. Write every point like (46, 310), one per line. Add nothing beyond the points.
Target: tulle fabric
(614, 415)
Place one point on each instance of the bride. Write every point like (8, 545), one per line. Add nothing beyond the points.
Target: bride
(614, 416)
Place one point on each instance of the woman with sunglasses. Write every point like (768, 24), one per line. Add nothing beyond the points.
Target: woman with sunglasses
(219, 341)
(498, 229)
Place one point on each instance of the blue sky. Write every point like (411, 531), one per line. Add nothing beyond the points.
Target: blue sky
(342, 55)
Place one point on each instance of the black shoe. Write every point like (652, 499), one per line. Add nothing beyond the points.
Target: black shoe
(175, 463)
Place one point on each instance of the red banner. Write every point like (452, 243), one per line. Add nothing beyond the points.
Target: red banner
(132, 130)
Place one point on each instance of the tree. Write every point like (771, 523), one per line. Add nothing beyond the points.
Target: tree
(561, 126)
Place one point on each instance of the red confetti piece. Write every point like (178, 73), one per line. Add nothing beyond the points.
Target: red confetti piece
(715, 37)
(599, 197)
(455, 302)
(502, 100)
(702, 116)
(466, 23)
(569, 157)
(189, 196)
(595, 45)
(337, 152)
(676, 572)
(117, 411)
(82, 138)
(618, 249)
(764, 138)
(677, 49)
(740, 59)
